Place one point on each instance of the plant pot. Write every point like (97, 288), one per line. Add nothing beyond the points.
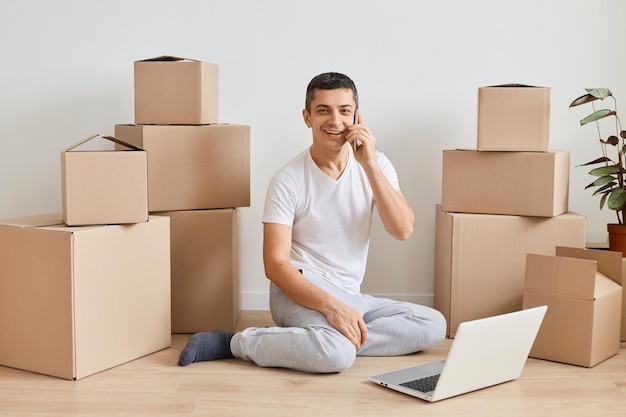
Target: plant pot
(617, 238)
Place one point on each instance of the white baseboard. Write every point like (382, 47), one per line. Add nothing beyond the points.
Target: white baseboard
(260, 300)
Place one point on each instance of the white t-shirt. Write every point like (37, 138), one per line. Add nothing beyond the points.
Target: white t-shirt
(330, 219)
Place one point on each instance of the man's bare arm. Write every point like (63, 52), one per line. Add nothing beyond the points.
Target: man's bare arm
(395, 213)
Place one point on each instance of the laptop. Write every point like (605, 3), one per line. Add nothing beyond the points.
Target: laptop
(484, 352)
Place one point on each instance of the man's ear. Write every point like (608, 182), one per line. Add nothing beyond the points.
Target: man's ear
(307, 117)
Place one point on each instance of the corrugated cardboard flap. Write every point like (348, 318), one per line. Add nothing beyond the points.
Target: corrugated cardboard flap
(515, 85)
(604, 286)
(40, 220)
(167, 58)
(123, 143)
(569, 277)
(609, 262)
(111, 138)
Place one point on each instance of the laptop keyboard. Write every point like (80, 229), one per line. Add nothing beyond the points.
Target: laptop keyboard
(426, 384)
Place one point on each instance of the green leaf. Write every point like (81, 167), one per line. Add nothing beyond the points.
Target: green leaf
(603, 180)
(582, 100)
(597, 115)
(596, 161)
(602, 200)
(606, 188)
(593, 94)
(600, 93)
(600, 181)
(606, 170)
(617, 199)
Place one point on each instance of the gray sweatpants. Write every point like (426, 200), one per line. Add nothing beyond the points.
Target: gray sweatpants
(305, 341)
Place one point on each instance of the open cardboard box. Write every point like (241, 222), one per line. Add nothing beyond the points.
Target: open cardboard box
(104, 186)
(605, 246)
(513, 117)
(75, 301)
(173, 90)
(583, 291)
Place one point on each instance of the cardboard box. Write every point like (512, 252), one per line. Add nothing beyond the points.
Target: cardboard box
(605, 246)
(75, 301)
(480, 259)
(515, 183)
(513, 117)
(172, 90)
(104, 186)
(205, 270)
(623, 320)
(194, 167)
(583, 292)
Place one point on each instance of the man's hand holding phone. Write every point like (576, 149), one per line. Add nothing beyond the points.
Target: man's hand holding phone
(362, 141)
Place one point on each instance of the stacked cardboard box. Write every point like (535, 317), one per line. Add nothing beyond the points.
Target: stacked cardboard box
(76, 300)
(87, 289)
(480, 259)
(507, 198)
(104, 186)
(147, 242)
(199, 175)
(205, 269)
(506, 241)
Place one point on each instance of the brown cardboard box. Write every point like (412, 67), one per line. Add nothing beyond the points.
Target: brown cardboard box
(513, 117)
(480, 259)
(194, 167)
(78, 300)
(515, 183)
(605, 246)
(104, 186)
(623, 326)
(582, 289)
(172, 90)
(205, 270)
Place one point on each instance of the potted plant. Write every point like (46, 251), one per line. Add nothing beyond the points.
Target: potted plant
(609, 183)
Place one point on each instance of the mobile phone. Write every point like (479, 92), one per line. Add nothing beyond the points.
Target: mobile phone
(356, 119)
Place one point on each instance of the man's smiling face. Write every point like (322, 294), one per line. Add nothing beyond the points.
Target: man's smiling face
(332, 112)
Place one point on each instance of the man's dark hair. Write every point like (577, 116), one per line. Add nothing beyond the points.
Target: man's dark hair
(329, 81)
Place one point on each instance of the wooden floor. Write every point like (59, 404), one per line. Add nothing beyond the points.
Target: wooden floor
(156, 386)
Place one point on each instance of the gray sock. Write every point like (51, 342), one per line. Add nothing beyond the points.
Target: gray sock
(207, 346)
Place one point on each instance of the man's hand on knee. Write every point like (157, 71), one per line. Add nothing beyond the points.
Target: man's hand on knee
(349, 322)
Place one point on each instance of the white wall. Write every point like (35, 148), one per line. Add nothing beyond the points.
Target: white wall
(67, 72)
